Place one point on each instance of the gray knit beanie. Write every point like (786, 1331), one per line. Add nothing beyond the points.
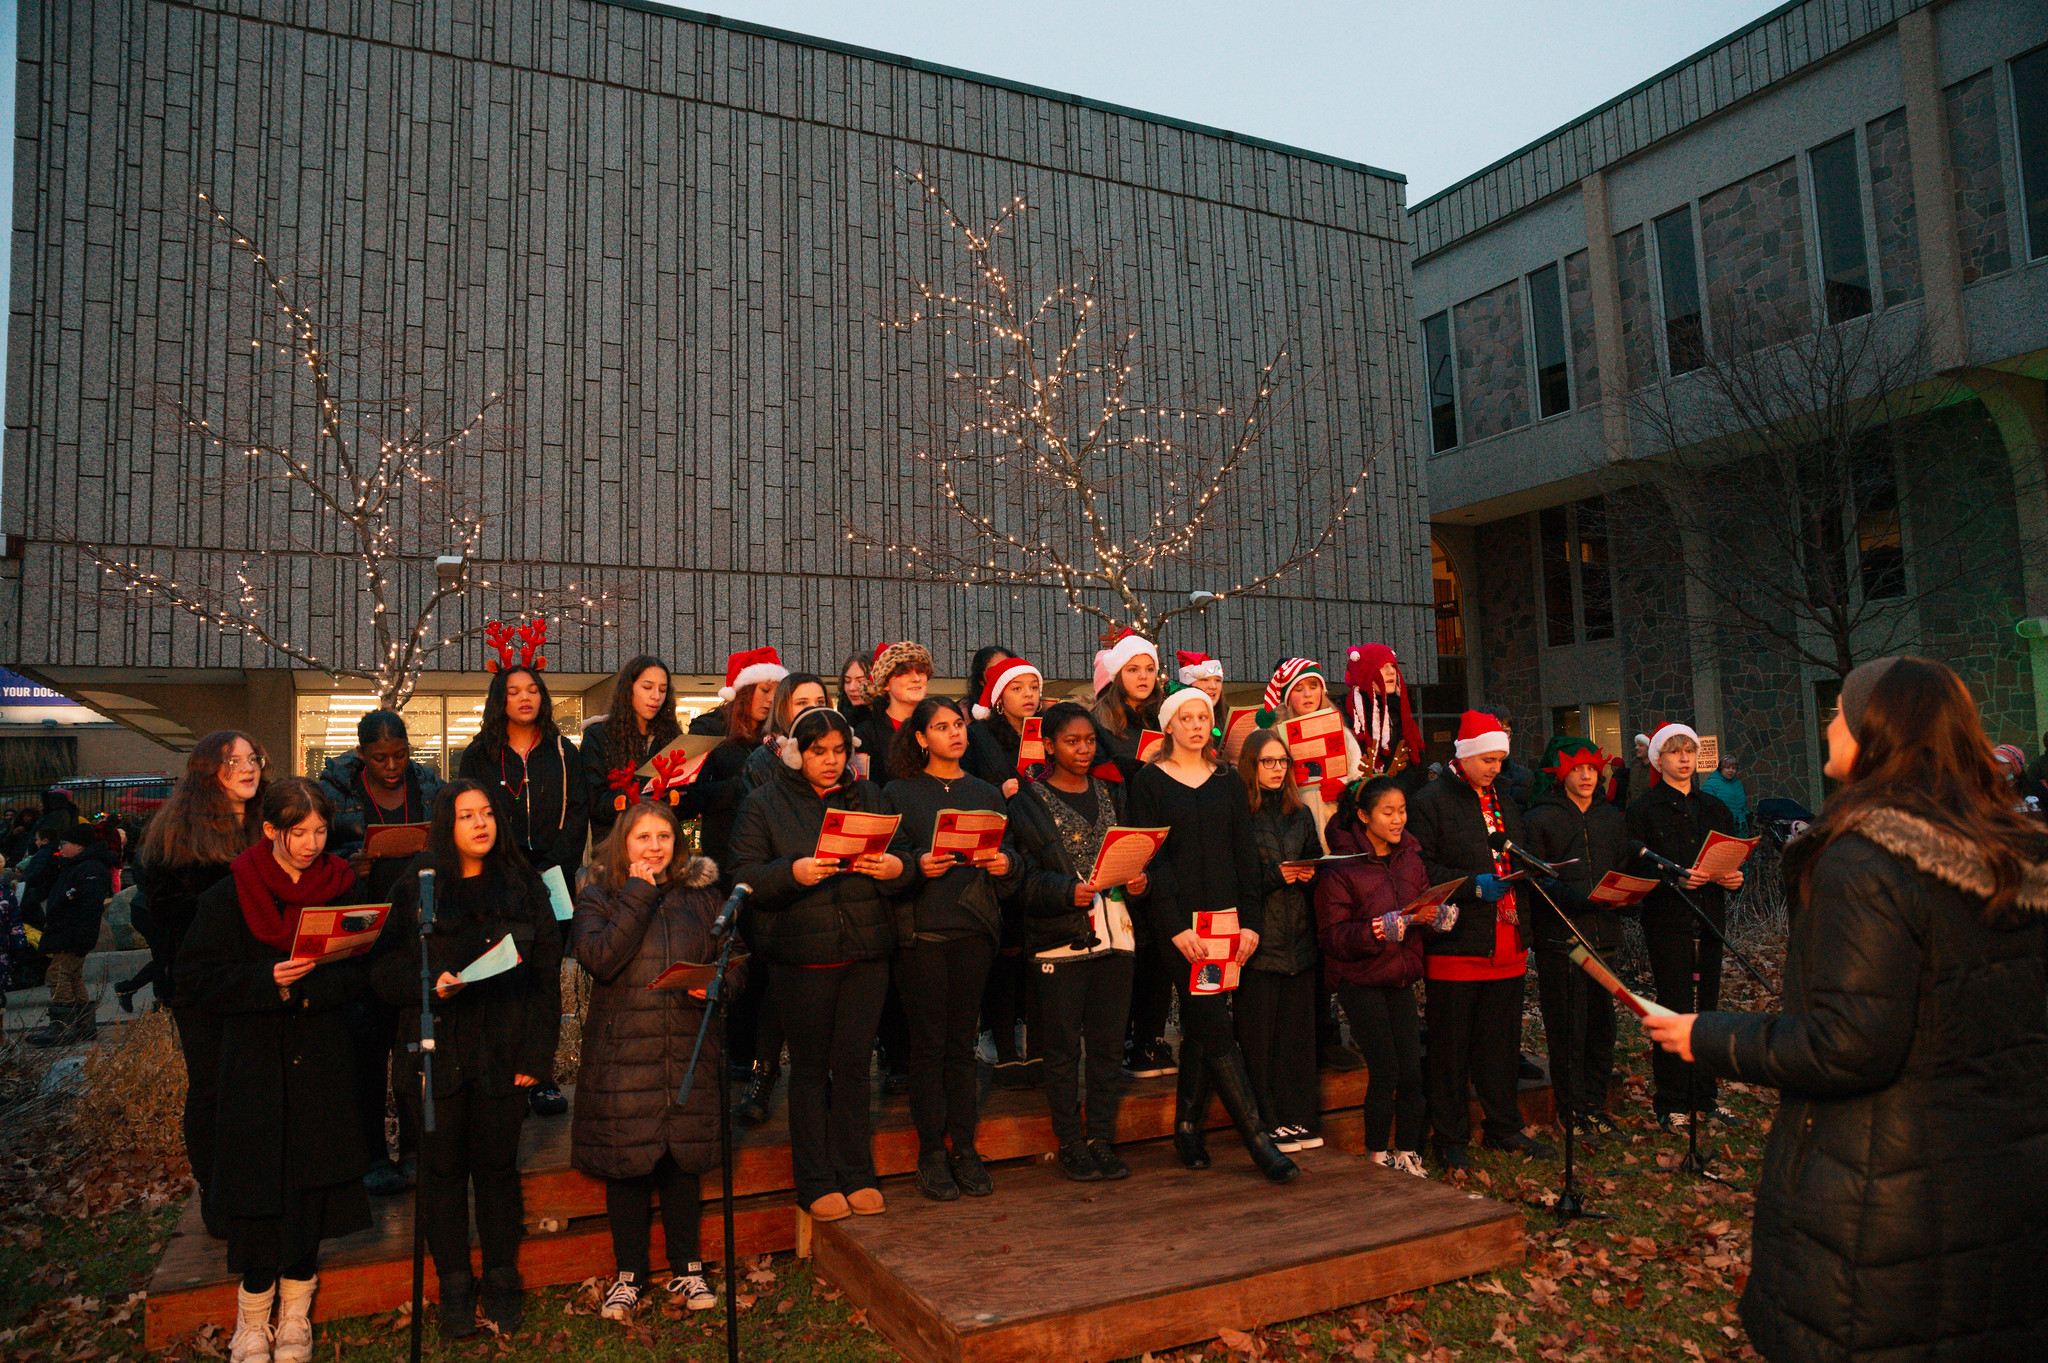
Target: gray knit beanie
(1857, 686)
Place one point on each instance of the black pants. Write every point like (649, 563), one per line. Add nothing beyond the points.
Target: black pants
(628, 1205)
(1685, 964)
(751, 1032)
(830, 1015)
(1276, 1029)
(1475, 1029)
(1207, 1022)
(373, 1032)
(941, 984)
(199, 1041)
(1012, 994)
(1152, 992)
(475, 1144)
(1083, 1001)
(1388, 1033)
(264, 1278)
(1578, 1028)
(892, 1032)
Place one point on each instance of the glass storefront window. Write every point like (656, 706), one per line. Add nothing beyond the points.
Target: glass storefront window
(441, 726)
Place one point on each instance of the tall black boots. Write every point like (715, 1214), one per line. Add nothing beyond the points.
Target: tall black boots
(1223, 1071)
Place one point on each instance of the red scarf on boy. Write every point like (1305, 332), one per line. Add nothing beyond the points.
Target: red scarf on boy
(262, 885)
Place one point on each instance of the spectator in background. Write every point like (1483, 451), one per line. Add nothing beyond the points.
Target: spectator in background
(1516, 781)
(1724, 783)
(76, 884)
(2012, 764)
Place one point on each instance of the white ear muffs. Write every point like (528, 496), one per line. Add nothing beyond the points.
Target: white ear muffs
(785, 748)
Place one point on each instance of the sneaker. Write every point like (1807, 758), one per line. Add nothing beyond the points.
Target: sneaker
(1528, 1147)
(1410, 1162)
(1383, 1158)
(972, 1175)
(623, 1300)
(1585, 1134)
(1283, 1139)
(935, 1177)
(1603, 1123)
(1721, 1116)
(1453, 1157)
(1675, 1123)
(692, 1287)
(1076, 1163)
(1340, 1058)
(1107, 1160)
(1305, 1138)
(1142, 1061)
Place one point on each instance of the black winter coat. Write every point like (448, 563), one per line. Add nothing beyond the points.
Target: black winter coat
(1902, 1206)
(872, 735)
(1052, 868)
(287, 1115)
(488, 1032)
(844, 917)
(636, 1040)
(75, 891)
(716, 794)
(1287, 941)
(1597, 840)
(992, 748)
(544, 795)
(1675, 825)
(1446, 818)
(173, 894)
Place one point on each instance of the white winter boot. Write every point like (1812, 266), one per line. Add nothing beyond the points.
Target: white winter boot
(294, 1320)
(251, 1343)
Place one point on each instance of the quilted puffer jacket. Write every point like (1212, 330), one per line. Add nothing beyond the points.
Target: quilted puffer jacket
(1902, 1208)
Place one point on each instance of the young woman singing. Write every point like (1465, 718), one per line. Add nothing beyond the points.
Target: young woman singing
(1275, 1006)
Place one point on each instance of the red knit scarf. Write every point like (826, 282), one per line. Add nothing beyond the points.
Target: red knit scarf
(262, 885)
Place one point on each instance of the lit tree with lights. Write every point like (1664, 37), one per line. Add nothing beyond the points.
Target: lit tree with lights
(385, 490)
(1064, 468)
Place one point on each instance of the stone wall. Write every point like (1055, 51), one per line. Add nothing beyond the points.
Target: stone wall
(1493, 365)
(1979, 175)
(1754, 239)
(1649, 604)
(1510, 673)
(1891, 201)
(1638, 320)
(1578, 292)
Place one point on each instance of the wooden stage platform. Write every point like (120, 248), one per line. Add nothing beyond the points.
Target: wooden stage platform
(1096, 1271)
(567, 1238)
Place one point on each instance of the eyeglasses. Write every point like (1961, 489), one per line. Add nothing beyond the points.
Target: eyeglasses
(1273, 761)
(241, 764)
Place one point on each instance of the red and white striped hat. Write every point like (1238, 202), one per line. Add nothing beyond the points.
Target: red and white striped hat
(1289, 675)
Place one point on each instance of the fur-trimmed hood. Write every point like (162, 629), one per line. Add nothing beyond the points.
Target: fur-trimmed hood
(1946, 857)
(699, 872)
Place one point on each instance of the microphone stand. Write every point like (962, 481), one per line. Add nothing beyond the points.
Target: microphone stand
(1671, 873)
(714, 1006)
(1695, 1161)
(425, 1048)
(1570, 1206)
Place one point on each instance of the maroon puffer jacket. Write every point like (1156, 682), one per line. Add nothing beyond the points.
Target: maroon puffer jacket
(1351, 894)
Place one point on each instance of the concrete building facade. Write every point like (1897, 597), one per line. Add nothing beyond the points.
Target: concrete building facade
(671, 241)
(1832, 165)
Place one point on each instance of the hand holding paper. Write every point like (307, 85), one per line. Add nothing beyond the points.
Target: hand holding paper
(850, 834)
(558, 894)
(1125, 853)
(1606, 979)
(338, 933)
(496, 961)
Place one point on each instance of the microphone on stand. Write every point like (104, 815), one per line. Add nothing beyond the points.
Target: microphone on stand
(731, 911)
(1501, 842)
(1664, 864)
(426, 900)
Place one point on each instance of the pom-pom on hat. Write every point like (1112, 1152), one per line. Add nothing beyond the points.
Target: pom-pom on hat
(1196, 666)
(751, 667)
(1665, 733)
(998, 677)
(1128, 645)
(1480, 733)
(1289, 675)
(894, 658)
(1186, 695)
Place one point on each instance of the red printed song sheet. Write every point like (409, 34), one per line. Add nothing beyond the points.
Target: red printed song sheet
(382, 841)
(1316, 743)
(338, 932)
(694, 748)
(1618, 891)
(1125, 853)
(1217, 971)
(849, 834)
(964, 833)
(1434, 897)
(1148, 740)
(1606, 979)
(694, 976)
(1722, 854)
(1243, 720)
(1031, 749)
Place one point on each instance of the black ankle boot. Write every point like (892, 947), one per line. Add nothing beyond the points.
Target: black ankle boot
(504, 1299)
(1190, 1106)
(752, 1108)
(458, 1305)
(1234, 1087)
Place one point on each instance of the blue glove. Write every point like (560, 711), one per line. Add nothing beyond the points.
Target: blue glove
(1490, 888)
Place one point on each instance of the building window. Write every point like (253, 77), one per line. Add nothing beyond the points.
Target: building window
(1578, 588)
(1838, 211)
(1546, 320)
(1685, 337)
(1450, 604)
(1443, 389)
(1880, 540)
(2030, 115)
(1565, 722)
(439, 726)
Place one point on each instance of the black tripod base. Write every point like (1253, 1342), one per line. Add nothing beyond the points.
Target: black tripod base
(1570, 1207)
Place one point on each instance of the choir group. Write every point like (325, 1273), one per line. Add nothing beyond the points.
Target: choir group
(916, 870)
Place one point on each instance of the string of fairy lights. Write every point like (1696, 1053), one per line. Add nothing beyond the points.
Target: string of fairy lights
(1034, 472)
(364, 502)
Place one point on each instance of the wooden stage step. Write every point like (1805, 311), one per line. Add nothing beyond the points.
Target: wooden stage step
(1096, 1271)
(567, 1239)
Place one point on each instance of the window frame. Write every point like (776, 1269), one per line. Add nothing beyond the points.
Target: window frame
(1575, 565)
(2031, 251)
(1866, 224)
(1429, 381)
(1564, 338)
(1691, 209)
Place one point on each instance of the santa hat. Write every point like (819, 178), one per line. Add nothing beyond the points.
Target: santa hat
(1289, 675)
(1186, 695)
(1479, 732)
(1128, 645)
(1665, 733)
(894, 658)
(748, 668)
(998, 677)
(1195, 666)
